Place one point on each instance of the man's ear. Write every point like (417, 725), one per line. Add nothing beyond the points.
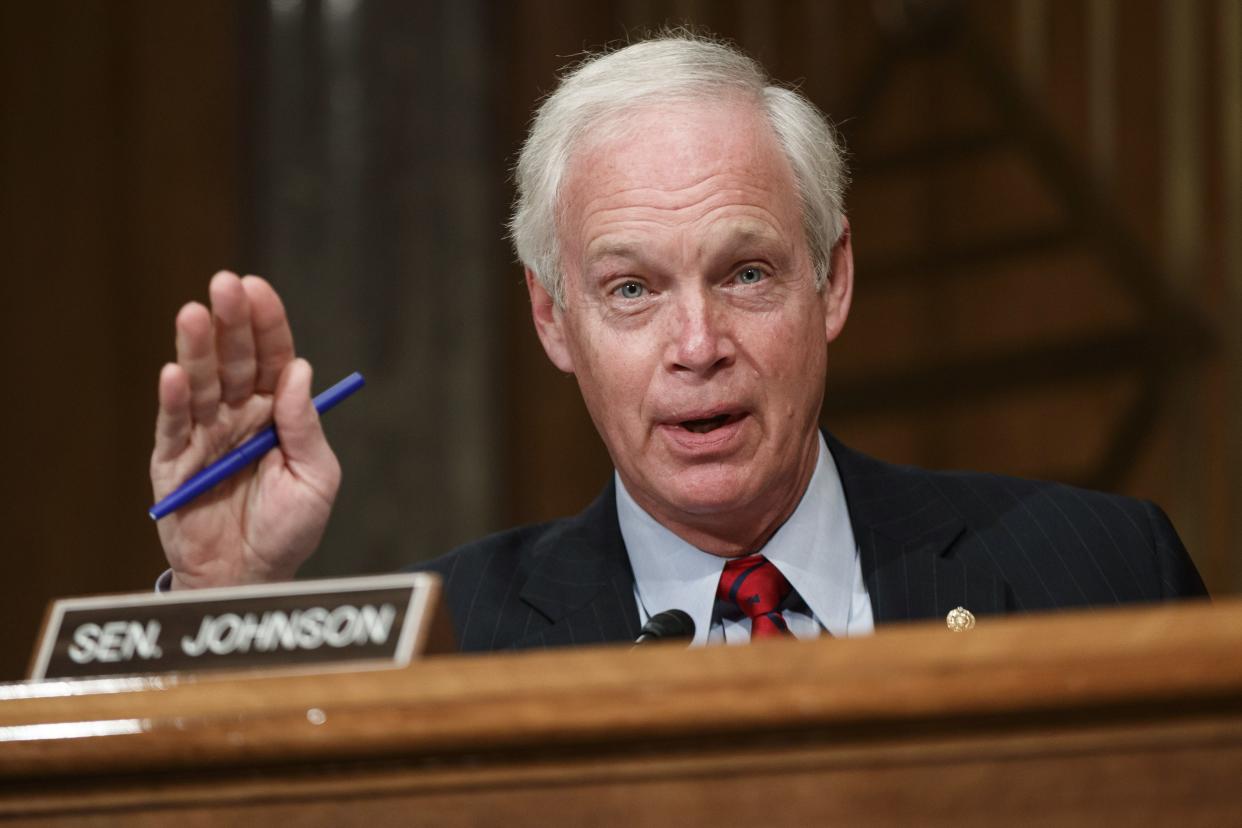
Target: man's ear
(839, 290)
(549, 323)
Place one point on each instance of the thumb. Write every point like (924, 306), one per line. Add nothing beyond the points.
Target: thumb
(306, 449)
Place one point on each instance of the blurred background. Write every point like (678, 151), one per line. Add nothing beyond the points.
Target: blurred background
(1047, 215)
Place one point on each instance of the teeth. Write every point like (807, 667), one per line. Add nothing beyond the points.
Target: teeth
(704, 426)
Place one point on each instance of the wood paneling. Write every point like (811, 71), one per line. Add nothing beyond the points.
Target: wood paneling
(120, 145)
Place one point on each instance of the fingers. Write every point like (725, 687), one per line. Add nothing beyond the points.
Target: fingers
(173, 422)
(237, 349)
(273, 341)
(196, 354)
(302, 440)
(235, 352)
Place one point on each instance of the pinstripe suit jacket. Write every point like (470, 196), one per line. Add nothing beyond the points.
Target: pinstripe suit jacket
(928, 542)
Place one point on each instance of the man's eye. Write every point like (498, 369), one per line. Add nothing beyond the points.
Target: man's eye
(630, 290)
(750, 276)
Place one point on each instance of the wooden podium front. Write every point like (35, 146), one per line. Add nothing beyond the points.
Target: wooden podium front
(1125, 716)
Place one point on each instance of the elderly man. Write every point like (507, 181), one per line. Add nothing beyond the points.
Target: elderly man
(688, 260)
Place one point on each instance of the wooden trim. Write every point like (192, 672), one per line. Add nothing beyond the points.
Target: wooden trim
(1101, 85)
(1121, 665)
(1031, 36)
(1074, 714)
(1230, 74)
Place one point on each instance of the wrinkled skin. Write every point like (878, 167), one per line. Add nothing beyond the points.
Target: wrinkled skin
(692, 321)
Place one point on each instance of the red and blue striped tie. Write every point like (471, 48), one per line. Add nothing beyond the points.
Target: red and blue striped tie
(757, 587)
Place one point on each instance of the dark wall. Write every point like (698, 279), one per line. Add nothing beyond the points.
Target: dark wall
(120, 194)
(375, 202)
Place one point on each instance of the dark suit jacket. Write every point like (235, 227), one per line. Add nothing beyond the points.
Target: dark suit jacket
(928, 542)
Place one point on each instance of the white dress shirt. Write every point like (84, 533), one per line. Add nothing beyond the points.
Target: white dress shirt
(814, 549)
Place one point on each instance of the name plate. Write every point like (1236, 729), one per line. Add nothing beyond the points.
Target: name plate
(374, 621)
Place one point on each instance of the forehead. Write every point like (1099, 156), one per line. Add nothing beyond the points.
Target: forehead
(670, 164)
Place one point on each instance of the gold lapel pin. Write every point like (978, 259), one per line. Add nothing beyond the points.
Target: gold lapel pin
(960, 620)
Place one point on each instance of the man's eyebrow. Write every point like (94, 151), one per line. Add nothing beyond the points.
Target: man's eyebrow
(726, 240)
(613, 249)
(749, 234)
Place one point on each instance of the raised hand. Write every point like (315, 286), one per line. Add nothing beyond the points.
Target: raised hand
(235, 372)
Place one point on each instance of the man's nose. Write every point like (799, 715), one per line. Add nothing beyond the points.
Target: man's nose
(702, 339)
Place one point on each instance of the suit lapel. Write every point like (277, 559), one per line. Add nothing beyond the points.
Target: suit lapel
(581, 583)
(580, 580)
(906, 533)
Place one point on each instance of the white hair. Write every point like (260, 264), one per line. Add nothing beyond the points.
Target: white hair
(676, 68)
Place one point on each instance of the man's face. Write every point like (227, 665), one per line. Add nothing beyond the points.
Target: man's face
(691, 318)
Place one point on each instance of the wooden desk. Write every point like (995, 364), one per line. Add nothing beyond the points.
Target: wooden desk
(1129, 717)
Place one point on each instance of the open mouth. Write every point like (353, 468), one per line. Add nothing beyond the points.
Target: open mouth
(709, 424)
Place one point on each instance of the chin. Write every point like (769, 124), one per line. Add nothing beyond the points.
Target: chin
(709, 493)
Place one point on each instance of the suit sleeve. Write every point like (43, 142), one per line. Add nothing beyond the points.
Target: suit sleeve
(1178, 576)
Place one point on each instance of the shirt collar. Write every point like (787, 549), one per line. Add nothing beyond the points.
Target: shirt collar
(814, 549)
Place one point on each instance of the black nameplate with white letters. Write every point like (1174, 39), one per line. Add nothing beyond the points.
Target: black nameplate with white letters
(369, 621)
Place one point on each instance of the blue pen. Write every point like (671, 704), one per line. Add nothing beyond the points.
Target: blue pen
(247, 453)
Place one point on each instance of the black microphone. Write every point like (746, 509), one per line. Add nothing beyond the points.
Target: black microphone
(668, 625)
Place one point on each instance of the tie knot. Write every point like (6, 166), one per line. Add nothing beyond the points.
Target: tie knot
(758, 588)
